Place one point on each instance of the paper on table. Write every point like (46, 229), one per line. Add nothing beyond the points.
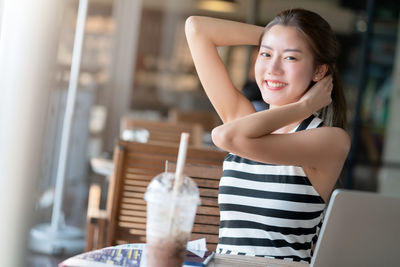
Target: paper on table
(142, 246)
(127, 256)
(197, 247)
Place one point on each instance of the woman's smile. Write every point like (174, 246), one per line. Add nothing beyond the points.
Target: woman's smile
(274, 85)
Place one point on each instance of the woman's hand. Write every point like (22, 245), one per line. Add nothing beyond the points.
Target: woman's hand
(319, 95)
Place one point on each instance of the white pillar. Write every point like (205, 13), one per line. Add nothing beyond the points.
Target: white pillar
(389, 175)
(27, 56)
(1, 13)
(127, 16)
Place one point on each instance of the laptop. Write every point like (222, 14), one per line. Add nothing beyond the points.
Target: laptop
(360, 229)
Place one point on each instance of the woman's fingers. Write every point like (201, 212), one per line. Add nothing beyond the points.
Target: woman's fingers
(319, 94)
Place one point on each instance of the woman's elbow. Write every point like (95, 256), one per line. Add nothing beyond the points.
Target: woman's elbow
(216, 136)
(191, 25)
(223, 138)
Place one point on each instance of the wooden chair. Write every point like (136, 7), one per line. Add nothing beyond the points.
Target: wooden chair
(124, 220)
(206, 222)
(209, 120)
(166, 131)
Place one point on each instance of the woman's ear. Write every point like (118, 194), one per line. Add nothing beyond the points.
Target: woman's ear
(320, 72)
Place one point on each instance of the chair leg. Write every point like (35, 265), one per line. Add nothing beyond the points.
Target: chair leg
(90, 237)
(101, 233)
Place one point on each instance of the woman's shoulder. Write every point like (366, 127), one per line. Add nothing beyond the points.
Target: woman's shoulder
(315, 122)
(336, 131)
(337, 136)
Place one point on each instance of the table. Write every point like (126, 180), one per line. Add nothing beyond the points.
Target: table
(219, 260)
(224, 260)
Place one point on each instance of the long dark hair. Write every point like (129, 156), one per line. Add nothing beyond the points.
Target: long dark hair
(324, 46)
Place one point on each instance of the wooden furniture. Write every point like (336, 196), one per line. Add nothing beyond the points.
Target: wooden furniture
(206, 222)
(226, 260)
(209, 120)
(135, 164)
(166, 131)
(219, 260)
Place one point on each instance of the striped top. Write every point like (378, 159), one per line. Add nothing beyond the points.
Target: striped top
(268, 210)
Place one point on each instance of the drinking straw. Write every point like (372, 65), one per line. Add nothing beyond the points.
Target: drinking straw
(178, 177)
(180, 162)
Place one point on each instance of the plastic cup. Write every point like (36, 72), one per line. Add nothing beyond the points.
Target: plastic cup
(170, 217)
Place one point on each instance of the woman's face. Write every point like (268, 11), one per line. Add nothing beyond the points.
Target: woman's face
(284, 67)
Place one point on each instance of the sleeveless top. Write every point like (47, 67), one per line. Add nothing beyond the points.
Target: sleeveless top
(269, 210)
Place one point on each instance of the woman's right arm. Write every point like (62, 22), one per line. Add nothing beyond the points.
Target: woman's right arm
(204, 34)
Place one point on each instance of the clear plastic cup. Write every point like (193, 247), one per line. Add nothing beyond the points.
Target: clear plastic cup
(170, 218)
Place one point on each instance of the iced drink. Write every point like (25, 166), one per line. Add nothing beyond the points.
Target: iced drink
(170, 217)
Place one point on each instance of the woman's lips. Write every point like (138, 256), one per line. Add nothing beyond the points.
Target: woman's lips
(274, 84)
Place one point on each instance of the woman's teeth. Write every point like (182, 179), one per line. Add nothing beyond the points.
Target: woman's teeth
(272, 84)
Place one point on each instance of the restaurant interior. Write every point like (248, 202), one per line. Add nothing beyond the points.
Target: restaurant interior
(78, 85)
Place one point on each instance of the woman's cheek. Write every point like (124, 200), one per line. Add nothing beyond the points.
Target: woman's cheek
(259, 68)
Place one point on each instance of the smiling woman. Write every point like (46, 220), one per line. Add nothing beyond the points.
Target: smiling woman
(283, 162)
(284, 50)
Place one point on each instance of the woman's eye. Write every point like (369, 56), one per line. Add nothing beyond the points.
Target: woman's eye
(290, 58)
(264, 54)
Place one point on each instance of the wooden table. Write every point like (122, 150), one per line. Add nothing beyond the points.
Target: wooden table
(224, 260)
(219, 260)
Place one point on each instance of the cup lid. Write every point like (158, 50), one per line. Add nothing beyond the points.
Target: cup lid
(163, 184)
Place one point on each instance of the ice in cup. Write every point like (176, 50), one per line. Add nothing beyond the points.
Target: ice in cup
(170, 217)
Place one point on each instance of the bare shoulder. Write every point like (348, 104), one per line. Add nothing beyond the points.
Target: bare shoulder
(337, 137)
(334, 145)
(323, 176)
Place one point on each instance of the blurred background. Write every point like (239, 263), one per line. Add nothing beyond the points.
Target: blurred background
(136, 64)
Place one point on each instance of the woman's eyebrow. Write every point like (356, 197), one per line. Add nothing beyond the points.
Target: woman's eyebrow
(285, 50)
(292, 50)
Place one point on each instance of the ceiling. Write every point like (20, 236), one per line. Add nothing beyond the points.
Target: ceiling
(341, 19)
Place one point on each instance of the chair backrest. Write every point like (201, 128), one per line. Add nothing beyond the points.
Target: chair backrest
(206, 223)
(166, 131)
(207, 119)
(135, 165)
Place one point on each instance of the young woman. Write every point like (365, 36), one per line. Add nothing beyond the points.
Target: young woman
(284, 161)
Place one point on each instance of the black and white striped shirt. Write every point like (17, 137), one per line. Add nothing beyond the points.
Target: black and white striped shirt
(268, 210)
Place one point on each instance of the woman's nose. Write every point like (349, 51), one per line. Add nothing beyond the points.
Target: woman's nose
(274, 66)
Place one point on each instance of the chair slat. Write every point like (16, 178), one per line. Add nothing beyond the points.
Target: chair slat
(139, 201)
(205, 228)
(207, 183)
(207, 219)
(205, 192)
(132, 219)
(125, 206)
(133, 213)
(130, 225)
(208, 210)
(133, 194)
(209, 201)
